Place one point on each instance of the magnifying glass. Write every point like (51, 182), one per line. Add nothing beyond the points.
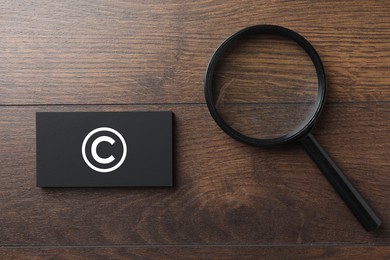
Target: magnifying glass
(265, 85)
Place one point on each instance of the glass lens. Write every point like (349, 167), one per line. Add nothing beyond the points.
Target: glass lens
(265, 86)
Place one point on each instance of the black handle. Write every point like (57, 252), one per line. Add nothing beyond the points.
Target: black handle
(356, 203)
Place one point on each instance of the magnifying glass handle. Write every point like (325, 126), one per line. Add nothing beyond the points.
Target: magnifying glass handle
(356, 203)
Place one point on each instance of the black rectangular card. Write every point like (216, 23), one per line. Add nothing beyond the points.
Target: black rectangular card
(104, 149)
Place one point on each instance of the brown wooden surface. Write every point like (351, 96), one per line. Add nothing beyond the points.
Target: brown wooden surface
(201, 252)
(229, 200)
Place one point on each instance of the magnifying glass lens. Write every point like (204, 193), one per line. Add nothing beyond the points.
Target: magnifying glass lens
(265, 86)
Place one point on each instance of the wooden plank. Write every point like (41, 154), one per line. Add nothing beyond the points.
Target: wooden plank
(99, 52)
(199, 252)
(225, 192)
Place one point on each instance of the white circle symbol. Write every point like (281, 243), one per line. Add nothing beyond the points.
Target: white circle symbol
(95, 144)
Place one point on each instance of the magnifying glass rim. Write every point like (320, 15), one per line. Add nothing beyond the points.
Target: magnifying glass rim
(305, 127)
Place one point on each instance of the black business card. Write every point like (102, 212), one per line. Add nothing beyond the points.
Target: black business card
(104, 149)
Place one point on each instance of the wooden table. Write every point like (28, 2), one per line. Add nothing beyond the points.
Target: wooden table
(229, 200)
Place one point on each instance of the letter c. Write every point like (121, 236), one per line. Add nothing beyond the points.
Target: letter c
(94, 148)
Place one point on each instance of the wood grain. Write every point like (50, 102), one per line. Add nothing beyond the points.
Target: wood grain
(229, 200)
(225, 192)
(200, 252)
(104, 52)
